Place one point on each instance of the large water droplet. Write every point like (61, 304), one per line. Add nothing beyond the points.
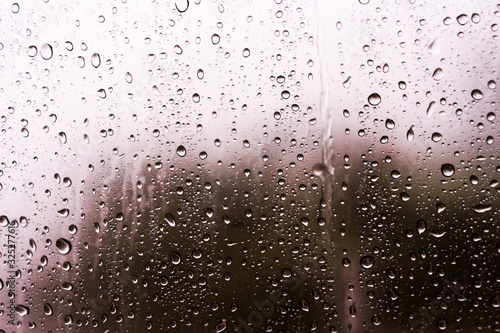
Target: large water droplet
(367, 262)
(175, 258)
(46, 51)
(47, 308)
(477, 94)
(221, 326)
(447, 169)
(63, 245)
(170, 219)
(22, 310)
(95, 60)
(481, 208)
(181, 151)
(374, 99)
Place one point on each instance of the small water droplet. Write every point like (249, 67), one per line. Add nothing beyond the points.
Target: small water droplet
(246, 53)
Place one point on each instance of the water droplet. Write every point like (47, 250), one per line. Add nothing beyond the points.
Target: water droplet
(221, 326)
(46, 51)
(390, 124)
(438, 233)
(475, 18)
(101, 93)
(442, 324)
(196, 98)
(32, 51)
(68, 45)
(495, 301)
(95, 60)
(62, 137)
(200, 74)
(170, 219)
(492, 84)
(67, 286)
(490, 116)
(346, 262)
(482, 208)
(63, 212)
(47, 309)
(24, 132)
(22, 310)
(177, 49)
(246, 53)
(463, 19)
(447, 169)
(304, 305)
(374, 99)
(128, 77)
(440, 207)
(436, 137)
(438, 74)
(215, 39)
(367, 262)
(477, 94)
(421, 226)
(175, 258)
(435, 47)
(15, 8)
(181, 151)
(63, 245)
(163, 280)
(376, 320)
(410, 134)
(183, 7)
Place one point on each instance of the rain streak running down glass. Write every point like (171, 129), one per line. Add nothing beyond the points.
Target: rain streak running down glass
(249, 166)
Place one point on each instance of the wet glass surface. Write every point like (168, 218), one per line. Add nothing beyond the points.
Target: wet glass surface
(249, 166)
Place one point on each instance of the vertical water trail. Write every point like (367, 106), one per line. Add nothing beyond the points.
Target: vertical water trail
(327, 169)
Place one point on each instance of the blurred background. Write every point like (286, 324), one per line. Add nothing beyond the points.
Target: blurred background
(250, 166)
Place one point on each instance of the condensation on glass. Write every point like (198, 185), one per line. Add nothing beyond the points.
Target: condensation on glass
(250, 166)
